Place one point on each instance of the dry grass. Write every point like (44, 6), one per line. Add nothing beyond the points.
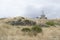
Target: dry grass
(9, 32)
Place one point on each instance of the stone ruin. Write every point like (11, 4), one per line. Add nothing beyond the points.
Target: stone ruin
(43, 16)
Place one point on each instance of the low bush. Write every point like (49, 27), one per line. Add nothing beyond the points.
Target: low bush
(36, 29)
(33, 31)
(51, 23)
(26, 30)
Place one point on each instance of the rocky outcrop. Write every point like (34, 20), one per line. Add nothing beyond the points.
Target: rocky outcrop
(20, 22)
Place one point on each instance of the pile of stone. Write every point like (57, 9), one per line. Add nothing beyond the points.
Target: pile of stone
(22, 22)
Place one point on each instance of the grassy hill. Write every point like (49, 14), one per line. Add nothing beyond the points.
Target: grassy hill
(50, 29)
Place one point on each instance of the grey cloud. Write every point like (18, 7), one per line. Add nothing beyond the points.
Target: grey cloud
(50, 11)
(30, 8)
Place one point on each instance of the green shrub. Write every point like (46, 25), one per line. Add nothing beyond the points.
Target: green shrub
(26, 30)
(36, 29)
(50, 23)
(33, 31)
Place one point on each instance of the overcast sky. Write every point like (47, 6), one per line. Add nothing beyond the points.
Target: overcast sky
(29, 8)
